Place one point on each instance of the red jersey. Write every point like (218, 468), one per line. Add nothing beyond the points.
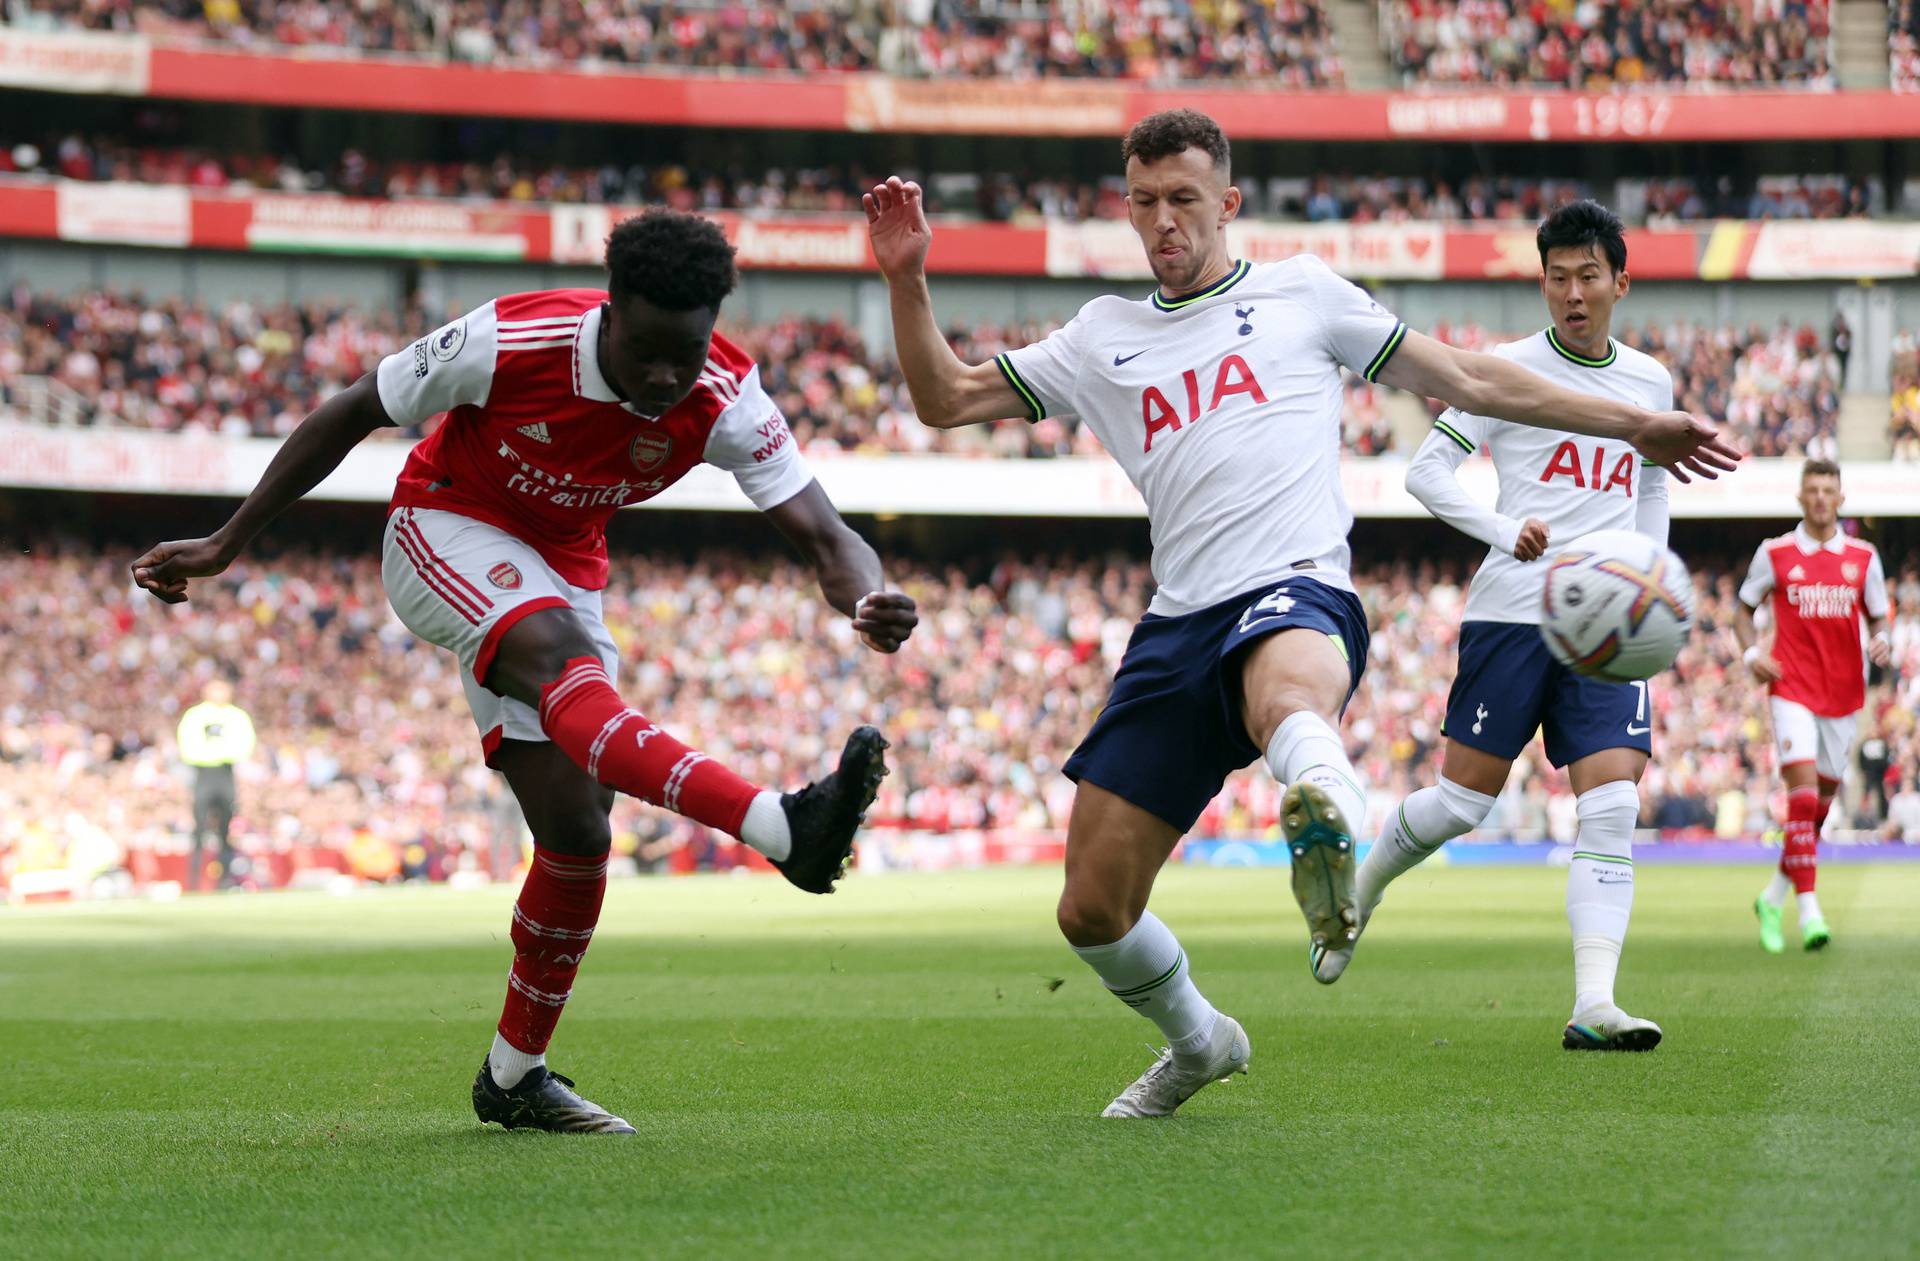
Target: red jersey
(537, 443)
(1819, 592)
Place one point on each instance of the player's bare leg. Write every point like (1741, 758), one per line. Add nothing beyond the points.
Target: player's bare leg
(1416, 828)
(546, 661)
(553, 923)
(1114, 851)
(1293, 685)
(1600, 900)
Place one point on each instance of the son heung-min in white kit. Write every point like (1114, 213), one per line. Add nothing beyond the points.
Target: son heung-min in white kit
(1554, 488)
(1220, 396)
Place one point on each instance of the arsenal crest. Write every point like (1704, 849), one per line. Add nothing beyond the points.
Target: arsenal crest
(1851, 572)
(650, 451)
(504, 576)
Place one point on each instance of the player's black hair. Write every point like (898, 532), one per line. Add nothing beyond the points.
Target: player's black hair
(1819, 468)
(1171, 130)
(1585, 224)
(677, 261)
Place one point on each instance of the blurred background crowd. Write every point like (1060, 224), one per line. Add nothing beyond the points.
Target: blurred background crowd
(245, 369)
(366, 751)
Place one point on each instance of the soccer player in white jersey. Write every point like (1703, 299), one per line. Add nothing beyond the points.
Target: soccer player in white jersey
(1219, 394)
(1554, 487)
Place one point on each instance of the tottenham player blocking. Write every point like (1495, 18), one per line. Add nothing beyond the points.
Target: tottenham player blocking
(1817, 583)
(561, 407)
(1554, 487)
(1219, 394)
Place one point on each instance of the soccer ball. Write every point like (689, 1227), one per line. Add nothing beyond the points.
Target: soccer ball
(1617, 606)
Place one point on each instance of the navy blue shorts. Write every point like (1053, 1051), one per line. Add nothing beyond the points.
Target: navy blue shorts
(1171, 731)
(1509, 686)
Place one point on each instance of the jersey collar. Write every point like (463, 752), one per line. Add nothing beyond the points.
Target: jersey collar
(1808, 544)
(1613, 352)
(1226, 282)
(588, 381)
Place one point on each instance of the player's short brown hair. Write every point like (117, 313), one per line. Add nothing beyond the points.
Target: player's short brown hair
(1819, 468)
(675, 260)
(1172, 130)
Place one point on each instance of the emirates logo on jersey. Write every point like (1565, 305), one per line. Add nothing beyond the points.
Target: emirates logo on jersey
(650, 451)
(504, 576)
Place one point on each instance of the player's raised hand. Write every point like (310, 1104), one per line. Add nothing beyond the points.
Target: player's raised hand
(1683, 444)
(884, 619)
(1533, 540)
(897, 227)
(164, 569)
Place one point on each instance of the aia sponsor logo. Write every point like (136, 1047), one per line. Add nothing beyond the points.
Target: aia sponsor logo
(1567, 462)
(649, 451)
(504, 576)
(1232, 376)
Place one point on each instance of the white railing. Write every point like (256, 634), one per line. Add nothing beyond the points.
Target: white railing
(44, 401)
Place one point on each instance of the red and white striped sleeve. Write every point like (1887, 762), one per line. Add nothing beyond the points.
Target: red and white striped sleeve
(449, 367)
(750, 438)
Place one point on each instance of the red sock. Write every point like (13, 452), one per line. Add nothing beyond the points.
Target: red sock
(623, 749)
(1798, 862)
(552, 924)
(1829, 788)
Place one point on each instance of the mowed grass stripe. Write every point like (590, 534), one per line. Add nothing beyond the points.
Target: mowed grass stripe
(892, 1072)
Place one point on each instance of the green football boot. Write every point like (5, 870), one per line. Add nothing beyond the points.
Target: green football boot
(1769, 916)
(1813, 932)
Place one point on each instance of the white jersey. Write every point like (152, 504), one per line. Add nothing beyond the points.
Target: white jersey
(1574, 483)
(1224, 409)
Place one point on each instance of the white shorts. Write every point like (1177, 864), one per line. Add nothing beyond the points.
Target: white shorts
(461, 584)
(1803, 736)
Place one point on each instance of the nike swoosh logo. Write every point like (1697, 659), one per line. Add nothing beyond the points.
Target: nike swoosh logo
(1117, 360)
(1637, 731)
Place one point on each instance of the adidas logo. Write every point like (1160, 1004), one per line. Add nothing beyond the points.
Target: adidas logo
(537, 431)
(1795, 572)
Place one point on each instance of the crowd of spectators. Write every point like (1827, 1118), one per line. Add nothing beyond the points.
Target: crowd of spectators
(1595, 44)
(366, 749)
(256, 370)
(1903, 427)
(993, 196)
(1903, 44)
(1776, 390)
(1288, 42)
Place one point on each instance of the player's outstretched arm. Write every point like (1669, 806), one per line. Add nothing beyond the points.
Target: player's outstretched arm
(848, 568)
(311, 451)
(947, 392)
(1491, 386)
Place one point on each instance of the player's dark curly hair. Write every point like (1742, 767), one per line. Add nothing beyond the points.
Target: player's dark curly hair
(677, 261)
(1164, 134)
(1585, 225)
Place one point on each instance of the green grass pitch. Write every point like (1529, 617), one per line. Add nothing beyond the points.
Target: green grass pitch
(897, 1072)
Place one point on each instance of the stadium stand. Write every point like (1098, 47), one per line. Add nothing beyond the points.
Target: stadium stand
(1903, 426)
(1560, 42)
(1288, 41)
(368, 762)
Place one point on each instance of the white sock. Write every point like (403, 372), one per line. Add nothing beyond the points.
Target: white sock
(1778, 888)
(1420, 825)
(1306, 750)
(1600, 889)
(1147, 970)
(765, 827)
(509, 1064)
(1809, 906)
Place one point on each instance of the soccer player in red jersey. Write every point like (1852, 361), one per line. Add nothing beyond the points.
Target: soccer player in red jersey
(562, 407)
(1818, 584)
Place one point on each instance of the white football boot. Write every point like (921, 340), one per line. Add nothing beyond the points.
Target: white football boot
(1609, 1029)
(1174, 1079)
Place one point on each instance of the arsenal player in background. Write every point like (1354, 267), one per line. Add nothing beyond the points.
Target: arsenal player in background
(1819, 584)
(562, 407)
